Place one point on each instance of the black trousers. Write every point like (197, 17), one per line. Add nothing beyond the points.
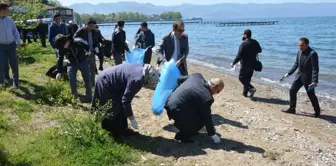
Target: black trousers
(43, 40)
(245, 79)
(188, 126)
(148, 56)
(296, 86)
(116, 124)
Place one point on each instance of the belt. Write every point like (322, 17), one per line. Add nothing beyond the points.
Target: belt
(2, 42)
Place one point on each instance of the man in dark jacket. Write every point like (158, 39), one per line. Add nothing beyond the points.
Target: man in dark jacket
(42, 30)
(119, 45)
(90, 35)
(55, 29)
(190, 106)
(307, 76)
(101, 49)
(247, 55)
(76, 51)
(145, 40)
(175, 45)
(114, 92)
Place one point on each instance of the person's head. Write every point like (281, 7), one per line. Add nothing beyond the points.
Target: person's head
(144, 26)
(57, 18)
(62, 41)
(303, 44)
(4, 9)
(247, 34)
(91, 24)
(178, 28)
(151, 76)
(216, 85)
(121, 24)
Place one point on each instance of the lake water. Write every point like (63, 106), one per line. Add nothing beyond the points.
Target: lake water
(216, 47)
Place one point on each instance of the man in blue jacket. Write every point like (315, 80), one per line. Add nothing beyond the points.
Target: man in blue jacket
(55, 29)
(9, 40)
(145, 39)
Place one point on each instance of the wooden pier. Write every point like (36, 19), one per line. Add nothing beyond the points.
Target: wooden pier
(200, 21)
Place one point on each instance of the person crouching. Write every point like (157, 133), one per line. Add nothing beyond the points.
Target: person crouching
(114, 91)
(76, 51)
(190, 106)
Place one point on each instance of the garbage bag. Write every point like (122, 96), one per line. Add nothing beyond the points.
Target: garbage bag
(136, 56)
(168, 82)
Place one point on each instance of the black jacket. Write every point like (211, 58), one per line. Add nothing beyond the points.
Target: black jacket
(145, 39)
(308, 65)
(247, 55)
(193, 100)
(83, 33)
(75, 53)
(119, 44)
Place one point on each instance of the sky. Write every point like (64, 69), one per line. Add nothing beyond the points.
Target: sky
(178, 2)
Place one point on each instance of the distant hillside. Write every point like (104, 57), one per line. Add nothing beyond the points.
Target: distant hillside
(218, 11)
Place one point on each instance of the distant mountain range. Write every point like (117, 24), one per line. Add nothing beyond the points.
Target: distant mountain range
(217, 11)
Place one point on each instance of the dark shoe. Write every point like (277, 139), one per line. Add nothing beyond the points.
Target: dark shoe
(178, 137)
(317, 114)
(289, 110)
(245, 94)
(252, 91)
(130, 132)
(101, 68)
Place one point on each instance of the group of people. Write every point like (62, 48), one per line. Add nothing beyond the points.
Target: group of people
(189, 105)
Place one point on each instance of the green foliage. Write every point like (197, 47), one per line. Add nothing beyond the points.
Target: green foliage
(27, 10)
(130, 16)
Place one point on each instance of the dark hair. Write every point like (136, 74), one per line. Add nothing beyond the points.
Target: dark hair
(3, 6)
(121, 23)
(248, 33)
(92, 21)
(144, 24)
(60, 40)
(57, 15)
(305, 40)
(178, 24)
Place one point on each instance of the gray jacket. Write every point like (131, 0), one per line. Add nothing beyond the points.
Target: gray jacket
(166, 49)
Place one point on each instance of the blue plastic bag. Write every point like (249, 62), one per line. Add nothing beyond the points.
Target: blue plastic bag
(136, 56)
(168, 82)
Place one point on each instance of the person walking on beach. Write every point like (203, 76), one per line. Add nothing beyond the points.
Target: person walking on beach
(9, 41)
(89, 34)
(307, 76)
(55, 29)
(118, 85)
(175, 46)
(190, 106)
(119, 45)
(76, 51)
(145, 40)
(247, 55)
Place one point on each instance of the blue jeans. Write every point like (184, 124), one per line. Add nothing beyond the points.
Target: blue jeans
(8, 55)
(72, 72)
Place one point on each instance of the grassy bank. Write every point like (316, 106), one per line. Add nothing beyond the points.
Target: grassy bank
(42, 124)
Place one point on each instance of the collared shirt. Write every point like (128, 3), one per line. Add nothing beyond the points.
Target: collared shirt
(90, 40)
(8, 31)
(176, 48)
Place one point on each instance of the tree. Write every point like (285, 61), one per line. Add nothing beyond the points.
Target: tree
(27, 10)
(54, 3)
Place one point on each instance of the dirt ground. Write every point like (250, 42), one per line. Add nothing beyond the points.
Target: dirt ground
(253, 132)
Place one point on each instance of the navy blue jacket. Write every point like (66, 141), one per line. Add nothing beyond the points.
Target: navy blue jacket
(145, 39)
(54, 30)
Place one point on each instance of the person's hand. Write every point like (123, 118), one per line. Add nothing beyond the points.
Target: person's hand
(55, 50)
(216, 138)
(88, 53)
(134, 123)
(133, 48)
(18, 46)
(231, 65)
(58, 76)
(157, 66)
(97, 50)
(286, 75)
(314, 84)
(178, 63)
